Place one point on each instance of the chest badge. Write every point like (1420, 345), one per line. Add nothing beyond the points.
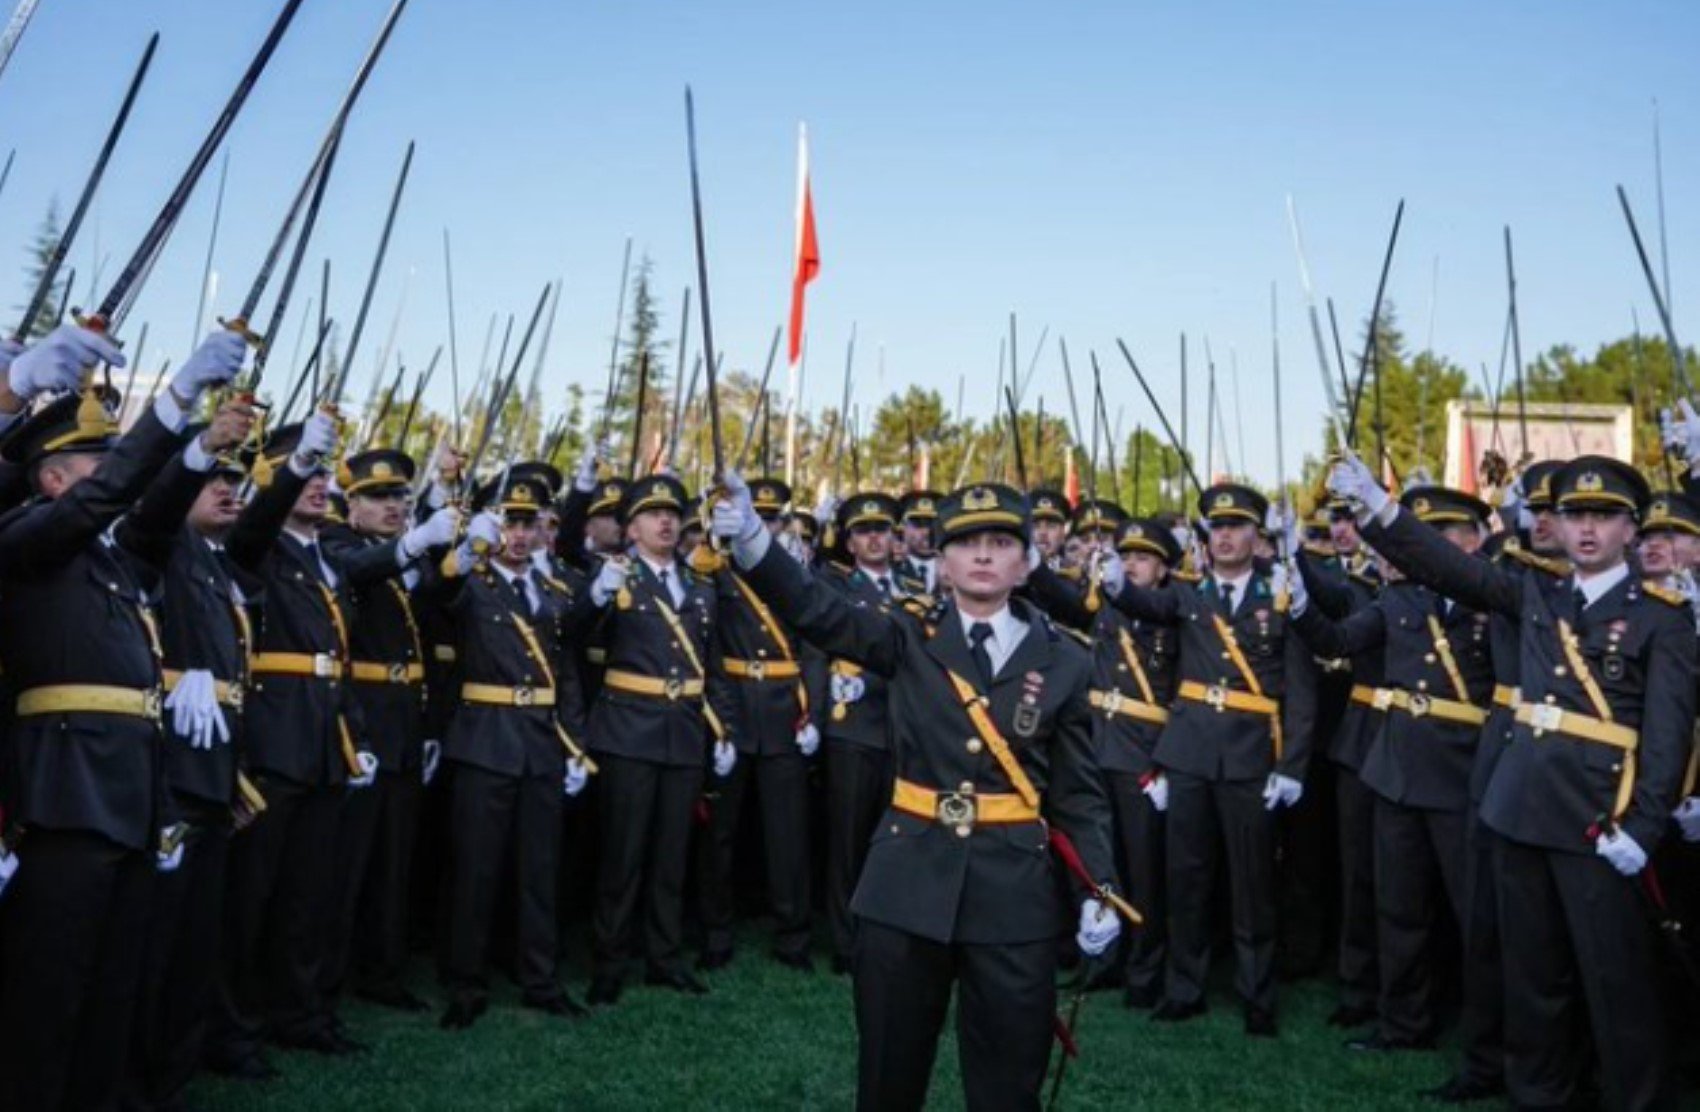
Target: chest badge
(1027, 712)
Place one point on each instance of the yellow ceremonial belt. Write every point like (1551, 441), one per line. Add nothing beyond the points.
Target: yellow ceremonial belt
(90, 698)
(961, 810)
(1113, 703)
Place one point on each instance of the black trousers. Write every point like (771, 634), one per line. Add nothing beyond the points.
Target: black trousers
(781, 785)
(1201, 812)
(1576, 929)
(377, 833)
(1140, 863)
(181, 966)
(1481, 1022)
(1006, 999)
(1304, 882)
(858, 790)
(492, 816)
(1419, 879)
(1357, 972)
(70, 973)
(645, 814)
(279, 907)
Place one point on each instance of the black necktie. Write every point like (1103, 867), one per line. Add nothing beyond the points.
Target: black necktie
(312, 548)
(977, 635)
(1227, 590)
(666, 587)
(885, 586)
(523, 595)
(1581, 601)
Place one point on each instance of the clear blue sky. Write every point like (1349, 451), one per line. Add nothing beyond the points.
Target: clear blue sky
(1103, 169)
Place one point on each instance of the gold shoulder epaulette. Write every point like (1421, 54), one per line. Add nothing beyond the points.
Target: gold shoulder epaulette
(1187, 576)
(1664, 594)
(1071, 574)
(1549, 564)
(1070, 631)
(1319, 550)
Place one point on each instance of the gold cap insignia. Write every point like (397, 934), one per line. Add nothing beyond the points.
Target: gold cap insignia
(1659, 509)
(1589, 482)
(870, 507)
(1224, 501)
(612, 490)
(382, 470)
(980, 498)
(1421, 506)
(658, 489)
(1135, 531)
(925, 505)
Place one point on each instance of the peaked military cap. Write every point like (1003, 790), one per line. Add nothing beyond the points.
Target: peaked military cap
(921, 505)
(1672, 512)
(1537, 483)
(1438, 505)
(1143, 534)
(605, 499)
(1231, 502)
(1599, 483)
(867, 508)
(77, 422)
(770, 497)
(379, 469)
(547, 473)
(656, 492)
(1092, 515)
(806, 526)
(981, 508)
(1049, 504)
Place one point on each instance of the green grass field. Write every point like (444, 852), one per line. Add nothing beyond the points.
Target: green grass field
(767, 1037)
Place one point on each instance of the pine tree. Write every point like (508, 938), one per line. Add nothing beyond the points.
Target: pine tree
(41, 250)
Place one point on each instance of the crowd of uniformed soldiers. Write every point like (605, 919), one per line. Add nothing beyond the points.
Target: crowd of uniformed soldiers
(278, 709)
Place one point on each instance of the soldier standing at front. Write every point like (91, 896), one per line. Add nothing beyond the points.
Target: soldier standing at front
(991, 738)
(1584, 790)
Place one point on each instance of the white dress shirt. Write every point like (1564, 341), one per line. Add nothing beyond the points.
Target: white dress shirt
(1007, 632)
(1594, 586)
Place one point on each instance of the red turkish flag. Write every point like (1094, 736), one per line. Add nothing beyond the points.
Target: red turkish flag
(808, 248)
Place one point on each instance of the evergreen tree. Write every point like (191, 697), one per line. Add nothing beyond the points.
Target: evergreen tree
(39, 253)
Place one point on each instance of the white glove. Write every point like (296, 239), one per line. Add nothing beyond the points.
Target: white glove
(1687, 815)
(1281, 791)
(584, 476)
(1156, 790)
(432, 758)
(57, 362)
(195, 714)
(609, 581)
(485, 527)
(735, 517)
(808, 739)
(577, 777)
(1099, 928)
(8, 868)
(1298, 595)
(1290, 533)
(436, 531)
(318, 440)
(1625, 855)
(368, 762)
(1680, 431)
(168, 861)
(725, 756)
(1113, 574)
(1351, 478)
(218, 360)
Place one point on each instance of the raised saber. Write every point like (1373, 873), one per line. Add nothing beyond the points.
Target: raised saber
(286, 290)
(15, 28)
(454, 344)
(153, 241)
(702, 288)
(56, 259)
(1678, 362)
(766, 376)
(1370, 349)
(1168, 429)
(372, 278)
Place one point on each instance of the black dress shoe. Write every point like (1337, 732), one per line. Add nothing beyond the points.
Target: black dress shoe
(249, 1067)
(1347, 1015)
(802, 963)
(1260, 1024)
(676, 979)
(1376, 1042)
(840, 965)
(710, 960)
(462, 1013)
(1174, 1011)
(1464, 1090)
(392, 996)
(320, 1040)
(1139, 999)
(559, 1004)
(604, 990)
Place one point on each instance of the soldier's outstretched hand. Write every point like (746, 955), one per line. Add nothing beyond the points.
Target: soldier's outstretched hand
(1350, 478)
(218, 360)
(735, 517)
(58, 361)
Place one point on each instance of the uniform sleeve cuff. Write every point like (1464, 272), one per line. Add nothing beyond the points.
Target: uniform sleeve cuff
(749, 552)
(170, 414)
(196, 458)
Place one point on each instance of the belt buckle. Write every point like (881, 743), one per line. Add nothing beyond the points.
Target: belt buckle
(1545, 716)
(1216, 697)
(1382, 698)
(1112, 703)
(1418, 705)
(758, 670)
(236, 695)
(153, 702)
(398, 673)
(959, 812)
(673, 689)
(324, 665)
(525, 695)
